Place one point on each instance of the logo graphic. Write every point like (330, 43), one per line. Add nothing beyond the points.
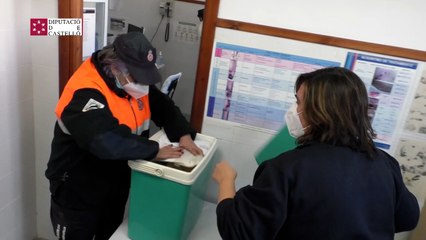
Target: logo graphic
(150, 56)
(55, 27)
(92, 104)
(38, 27)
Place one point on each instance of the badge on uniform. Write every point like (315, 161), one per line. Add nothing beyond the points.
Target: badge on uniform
(140, 104)
(92, 104)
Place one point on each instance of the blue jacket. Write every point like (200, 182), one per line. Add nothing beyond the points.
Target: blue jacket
(323, 192)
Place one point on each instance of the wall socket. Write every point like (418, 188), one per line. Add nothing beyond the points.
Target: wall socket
(166, 8)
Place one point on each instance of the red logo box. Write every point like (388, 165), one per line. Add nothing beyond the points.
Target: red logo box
(38, 26)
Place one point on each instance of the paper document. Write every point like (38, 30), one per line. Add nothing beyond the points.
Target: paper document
(187, 159)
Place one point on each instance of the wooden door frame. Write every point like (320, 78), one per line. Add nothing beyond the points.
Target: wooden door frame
(210, 18)
(70, 47)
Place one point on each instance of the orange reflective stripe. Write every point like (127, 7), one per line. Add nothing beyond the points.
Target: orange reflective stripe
(131, 112)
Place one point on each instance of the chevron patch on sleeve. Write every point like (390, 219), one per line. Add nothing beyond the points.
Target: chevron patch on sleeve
(92, 104)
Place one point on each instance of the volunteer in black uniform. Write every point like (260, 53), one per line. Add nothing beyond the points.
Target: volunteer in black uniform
(103, 118)
(335, 185)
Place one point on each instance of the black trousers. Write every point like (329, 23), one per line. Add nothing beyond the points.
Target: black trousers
(100, 224)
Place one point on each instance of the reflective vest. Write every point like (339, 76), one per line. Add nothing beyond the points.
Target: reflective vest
(133, 113)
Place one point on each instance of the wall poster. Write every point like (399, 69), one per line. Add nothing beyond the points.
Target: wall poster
(253, 86)
(388, 83)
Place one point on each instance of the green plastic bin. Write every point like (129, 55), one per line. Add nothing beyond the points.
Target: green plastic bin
(166, 202)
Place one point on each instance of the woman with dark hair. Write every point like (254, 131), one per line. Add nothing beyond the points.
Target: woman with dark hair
(335, 185)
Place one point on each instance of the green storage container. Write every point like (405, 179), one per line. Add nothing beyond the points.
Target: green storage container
(166, 202)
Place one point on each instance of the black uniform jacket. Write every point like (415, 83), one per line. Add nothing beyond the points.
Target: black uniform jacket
(90, 165)
(321, 192)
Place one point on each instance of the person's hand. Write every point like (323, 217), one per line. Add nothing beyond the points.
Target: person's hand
(225, 176)
(187, 143)
(169, 152)
(224, 172)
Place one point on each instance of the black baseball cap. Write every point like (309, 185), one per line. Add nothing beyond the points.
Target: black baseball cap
(139, 56)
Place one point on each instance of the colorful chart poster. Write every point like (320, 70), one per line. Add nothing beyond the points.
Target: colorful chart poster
(255, 87)
(388, 83)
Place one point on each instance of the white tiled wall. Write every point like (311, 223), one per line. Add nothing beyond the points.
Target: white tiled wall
(45, 78)
(29, 80)
(45, 96)
(17, 175)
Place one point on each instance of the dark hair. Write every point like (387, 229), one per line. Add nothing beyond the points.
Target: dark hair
(107, 58)
(336, 109)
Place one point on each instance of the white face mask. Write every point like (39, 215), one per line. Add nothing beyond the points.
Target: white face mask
(294, 124)
(136, 90)
(133, 89)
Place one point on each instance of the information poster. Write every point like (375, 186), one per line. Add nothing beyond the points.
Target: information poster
(388, 83)
(255, 87)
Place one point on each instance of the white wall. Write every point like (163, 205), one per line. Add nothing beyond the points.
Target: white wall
(17, 188)
(45, 71)
(389, 22)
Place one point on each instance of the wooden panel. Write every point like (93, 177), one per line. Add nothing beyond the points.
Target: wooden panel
(322, 39)
(70, 47)
(203, 68)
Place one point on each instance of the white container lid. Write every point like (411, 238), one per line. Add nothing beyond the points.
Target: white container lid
(171, 173)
